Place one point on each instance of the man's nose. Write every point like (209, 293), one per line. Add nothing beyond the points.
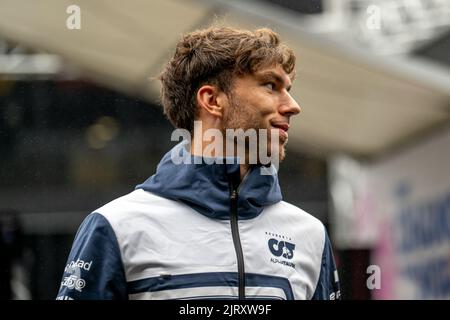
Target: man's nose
(289, 106)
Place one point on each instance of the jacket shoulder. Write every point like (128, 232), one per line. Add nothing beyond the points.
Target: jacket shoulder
(94, 268)
(306, 219)
(133, 205)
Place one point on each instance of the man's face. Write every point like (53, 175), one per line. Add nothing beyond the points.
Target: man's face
(262, 101)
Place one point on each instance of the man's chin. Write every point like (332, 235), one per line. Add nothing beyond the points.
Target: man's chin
(282, 154)
(280, 150)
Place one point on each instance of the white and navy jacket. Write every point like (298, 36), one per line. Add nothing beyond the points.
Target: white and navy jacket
(194, 231)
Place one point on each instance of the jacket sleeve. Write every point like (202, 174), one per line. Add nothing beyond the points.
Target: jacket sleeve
(94, 269)
(328, 285)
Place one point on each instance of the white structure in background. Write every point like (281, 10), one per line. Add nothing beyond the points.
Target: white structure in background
(385, 27)
(404, 24)
(400, 207)
(17, 61)
(353, 204)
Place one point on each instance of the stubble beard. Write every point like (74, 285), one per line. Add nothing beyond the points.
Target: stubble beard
(239, 117)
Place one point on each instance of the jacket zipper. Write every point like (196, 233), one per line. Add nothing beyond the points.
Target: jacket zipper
(237, 244)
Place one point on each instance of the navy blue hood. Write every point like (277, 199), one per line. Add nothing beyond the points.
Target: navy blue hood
(206, 187)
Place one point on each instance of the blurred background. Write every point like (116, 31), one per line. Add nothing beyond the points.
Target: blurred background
(80, 124)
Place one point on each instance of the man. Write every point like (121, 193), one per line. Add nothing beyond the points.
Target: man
(202, 229)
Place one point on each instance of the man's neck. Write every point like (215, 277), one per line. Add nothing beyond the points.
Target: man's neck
(244, 168)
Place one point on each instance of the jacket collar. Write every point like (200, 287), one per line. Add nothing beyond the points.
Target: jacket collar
(206, 187)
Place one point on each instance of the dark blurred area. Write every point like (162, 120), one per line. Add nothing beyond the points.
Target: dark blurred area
(11, 247)
(436, 50)
(67, 147)
(303, 7)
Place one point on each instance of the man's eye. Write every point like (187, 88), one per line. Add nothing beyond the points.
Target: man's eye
(270, 85)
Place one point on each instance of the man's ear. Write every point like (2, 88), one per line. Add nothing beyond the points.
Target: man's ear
(211, 100)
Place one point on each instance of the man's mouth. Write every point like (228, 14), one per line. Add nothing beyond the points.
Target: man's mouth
(283, 128)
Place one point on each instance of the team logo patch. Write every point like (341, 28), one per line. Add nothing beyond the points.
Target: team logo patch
(281, 248)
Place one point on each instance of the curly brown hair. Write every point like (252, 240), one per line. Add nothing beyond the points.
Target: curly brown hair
(215, 56)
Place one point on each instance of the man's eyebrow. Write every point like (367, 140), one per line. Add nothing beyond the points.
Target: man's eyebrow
(270, 75)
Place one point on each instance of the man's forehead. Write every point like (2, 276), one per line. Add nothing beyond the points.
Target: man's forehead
(276, 72)
(272, 73)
